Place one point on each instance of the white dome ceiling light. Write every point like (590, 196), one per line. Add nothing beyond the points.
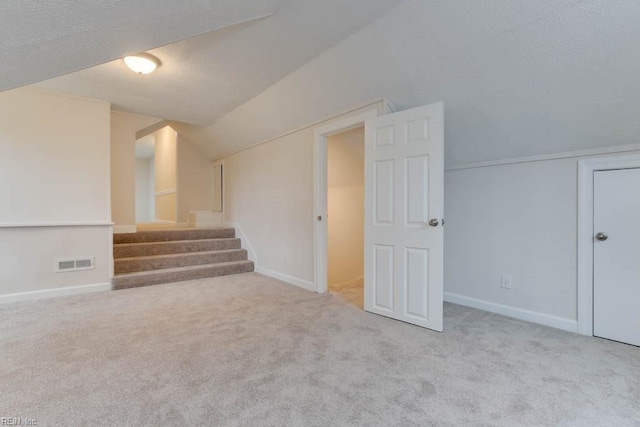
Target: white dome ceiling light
(142, 63)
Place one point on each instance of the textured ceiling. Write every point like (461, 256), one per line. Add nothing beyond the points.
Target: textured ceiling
(43, 39)
(203, 78)
(518, 77)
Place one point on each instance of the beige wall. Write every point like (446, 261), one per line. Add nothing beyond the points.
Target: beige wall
(195, 180)
(269, 194)
(345, 203)
(123, 140)
(54, 170)
(165, 174)
(53, 159)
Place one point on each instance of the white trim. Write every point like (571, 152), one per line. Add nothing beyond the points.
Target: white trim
(56, 292)
(320, 237)
(165, 192)
(124, 229)
(305, 284)
(545, 157)
(35, 88)
(388, 107)
(382, 104)
(124, 113)
(246, 244)
(56, 224)
(152, 128)
(565, 324)
(586, 168)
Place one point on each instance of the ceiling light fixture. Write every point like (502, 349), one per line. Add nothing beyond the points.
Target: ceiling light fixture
(142, 63)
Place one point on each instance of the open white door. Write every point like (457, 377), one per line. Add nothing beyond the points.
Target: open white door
(404, 198)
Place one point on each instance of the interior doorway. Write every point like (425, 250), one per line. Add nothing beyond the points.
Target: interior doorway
(403, 209)
(145, 179)
(345, 215)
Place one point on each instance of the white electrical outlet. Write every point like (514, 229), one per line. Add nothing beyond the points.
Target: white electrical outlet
(505, 281)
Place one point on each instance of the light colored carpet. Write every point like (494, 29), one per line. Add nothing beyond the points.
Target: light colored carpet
(351, 292)
(249, 350)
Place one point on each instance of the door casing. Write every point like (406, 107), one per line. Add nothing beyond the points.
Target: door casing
(320, 184)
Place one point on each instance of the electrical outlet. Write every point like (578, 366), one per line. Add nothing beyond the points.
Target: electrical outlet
(505, 281)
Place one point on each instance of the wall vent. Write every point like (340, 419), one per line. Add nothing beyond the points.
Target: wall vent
(74, 264)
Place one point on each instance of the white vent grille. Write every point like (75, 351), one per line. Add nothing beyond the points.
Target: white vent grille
(74, 264)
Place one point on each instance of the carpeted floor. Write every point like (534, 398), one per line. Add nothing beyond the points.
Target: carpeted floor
(351, 292)
(249, 350)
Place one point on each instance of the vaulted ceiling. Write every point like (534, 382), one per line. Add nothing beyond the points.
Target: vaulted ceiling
(44, 39)
(203, 78)
(518, 77)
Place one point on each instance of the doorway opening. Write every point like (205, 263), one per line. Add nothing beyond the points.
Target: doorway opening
(404, 203)
(345, 215)
(157, 180)
(321, 234)
(145, 179)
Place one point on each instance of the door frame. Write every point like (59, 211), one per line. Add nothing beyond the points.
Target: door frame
(586, 169)
(321, 230)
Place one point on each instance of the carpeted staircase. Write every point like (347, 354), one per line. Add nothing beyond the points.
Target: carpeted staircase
(163, 256)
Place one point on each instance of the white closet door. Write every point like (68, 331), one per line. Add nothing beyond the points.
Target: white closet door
(404, 186)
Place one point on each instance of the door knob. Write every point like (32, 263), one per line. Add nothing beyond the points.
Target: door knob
(601, 237)
(433, 222)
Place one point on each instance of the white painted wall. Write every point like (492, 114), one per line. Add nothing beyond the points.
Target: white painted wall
(165, 165)
(123, 142)
(195, 180)
(28, 260)
(54, 170)
(269, 195)
(345, 203)
(519, 219)
(152, 189)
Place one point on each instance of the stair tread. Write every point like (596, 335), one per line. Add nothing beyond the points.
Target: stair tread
(179, 269)
(176, 241)
(180, 254)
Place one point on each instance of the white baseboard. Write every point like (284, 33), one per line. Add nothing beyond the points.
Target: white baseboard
(52, 293)
(305, 284)
(251, 254)
(517, 313)
(124, 229)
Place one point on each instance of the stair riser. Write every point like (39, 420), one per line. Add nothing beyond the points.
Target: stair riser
(125, 282)
(169, 235)
(169, 248)
(134, 265)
